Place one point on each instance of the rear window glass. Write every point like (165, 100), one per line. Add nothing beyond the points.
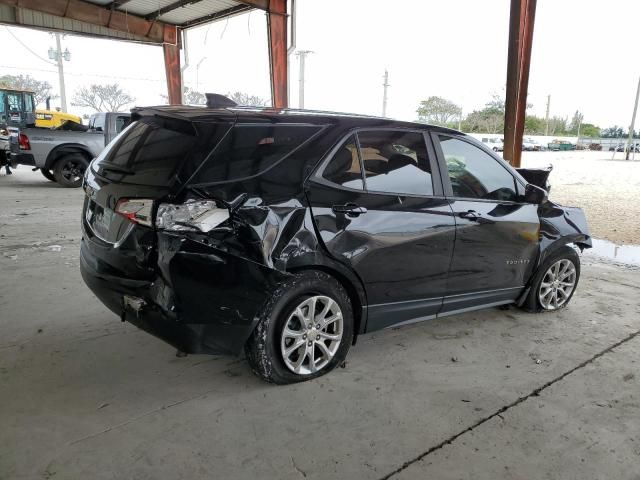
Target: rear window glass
(148, 152)
(249, 150)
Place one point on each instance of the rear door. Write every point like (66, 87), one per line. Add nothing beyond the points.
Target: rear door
(496, 233)
(378, 205)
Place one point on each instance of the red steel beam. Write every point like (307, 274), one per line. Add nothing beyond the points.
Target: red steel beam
(277, 27)
(521, 23)
(172, 71)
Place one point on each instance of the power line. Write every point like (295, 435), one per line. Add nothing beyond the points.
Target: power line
(30, 69)
(25, 46)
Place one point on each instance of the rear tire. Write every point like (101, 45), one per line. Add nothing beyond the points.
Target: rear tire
(48, 174)
(69, 170)
(284, 355)
(555, 282)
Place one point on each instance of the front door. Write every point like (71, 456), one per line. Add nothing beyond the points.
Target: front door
(496, 233)
(378, 207)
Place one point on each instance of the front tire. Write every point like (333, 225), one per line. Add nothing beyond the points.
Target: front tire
(304, 331)
(555, 282)
(69, 170)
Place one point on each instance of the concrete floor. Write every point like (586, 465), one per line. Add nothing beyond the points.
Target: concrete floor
(83, 396)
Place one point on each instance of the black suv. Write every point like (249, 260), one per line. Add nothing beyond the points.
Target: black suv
(288, 233)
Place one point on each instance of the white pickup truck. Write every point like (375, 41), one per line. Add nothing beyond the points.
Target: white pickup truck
(63, 155)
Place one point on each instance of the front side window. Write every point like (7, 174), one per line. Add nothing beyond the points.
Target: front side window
(395, 162)
(476, 174)
(344, 167)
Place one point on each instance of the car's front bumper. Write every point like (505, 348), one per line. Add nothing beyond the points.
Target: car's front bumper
(208, 304)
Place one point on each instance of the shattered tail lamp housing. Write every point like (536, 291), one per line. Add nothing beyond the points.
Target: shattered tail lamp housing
(193, 215)
(136, 210)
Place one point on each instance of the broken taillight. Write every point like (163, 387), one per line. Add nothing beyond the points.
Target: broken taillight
(136, 210)
(193, 215)
(23, 141)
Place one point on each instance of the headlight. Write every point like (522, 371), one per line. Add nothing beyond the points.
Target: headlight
(193, 215)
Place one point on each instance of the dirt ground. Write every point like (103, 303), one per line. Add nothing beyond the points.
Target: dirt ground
(607, 189)
(492, 394)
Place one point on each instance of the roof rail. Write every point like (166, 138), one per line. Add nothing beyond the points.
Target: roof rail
(215, 100)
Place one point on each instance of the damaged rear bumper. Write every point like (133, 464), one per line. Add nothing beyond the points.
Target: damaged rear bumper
(203, 301)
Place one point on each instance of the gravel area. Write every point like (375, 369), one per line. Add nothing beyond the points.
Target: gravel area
(607, 189)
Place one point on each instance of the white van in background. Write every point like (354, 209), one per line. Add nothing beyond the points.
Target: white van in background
(495, 144)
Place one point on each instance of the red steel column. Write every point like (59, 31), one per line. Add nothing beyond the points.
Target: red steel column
(171, 50)
(277, 27)
(521, 23)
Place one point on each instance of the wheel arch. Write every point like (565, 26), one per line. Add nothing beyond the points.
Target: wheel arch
(352, 285)
(61, 150)
(546, 251)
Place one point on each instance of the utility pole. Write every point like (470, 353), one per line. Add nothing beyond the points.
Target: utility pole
(385, 86)
(633, 122)
(58, 55)
(302, 55)
(546, 118)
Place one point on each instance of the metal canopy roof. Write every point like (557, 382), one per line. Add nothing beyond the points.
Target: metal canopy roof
(183, 13)
(155, 21)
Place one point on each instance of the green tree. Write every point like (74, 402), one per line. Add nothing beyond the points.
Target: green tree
(438, 111)
(534, 125)
(41, 89)
(613, 132)
(497, 104)
(589, 130)
(576, 121)
(558, 126)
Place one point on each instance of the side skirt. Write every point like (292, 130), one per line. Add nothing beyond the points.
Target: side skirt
(391, 315)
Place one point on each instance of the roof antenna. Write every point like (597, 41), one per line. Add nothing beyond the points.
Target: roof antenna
(215, 100)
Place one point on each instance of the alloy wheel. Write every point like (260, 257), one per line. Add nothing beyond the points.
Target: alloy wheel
(557, 284)
(311, 335)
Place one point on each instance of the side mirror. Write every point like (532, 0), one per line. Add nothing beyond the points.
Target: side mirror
(533, 194)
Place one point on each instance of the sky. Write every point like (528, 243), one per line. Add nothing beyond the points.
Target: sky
(584, 56)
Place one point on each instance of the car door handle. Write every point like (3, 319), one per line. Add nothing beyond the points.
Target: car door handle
(350, 209)
(470, 215)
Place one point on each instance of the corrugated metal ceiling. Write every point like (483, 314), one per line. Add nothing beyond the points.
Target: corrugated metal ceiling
(185, 14)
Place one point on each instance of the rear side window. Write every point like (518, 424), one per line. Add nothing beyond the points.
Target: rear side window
(395, 162)
(148, 152)
(249, 150)
(344, 167)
